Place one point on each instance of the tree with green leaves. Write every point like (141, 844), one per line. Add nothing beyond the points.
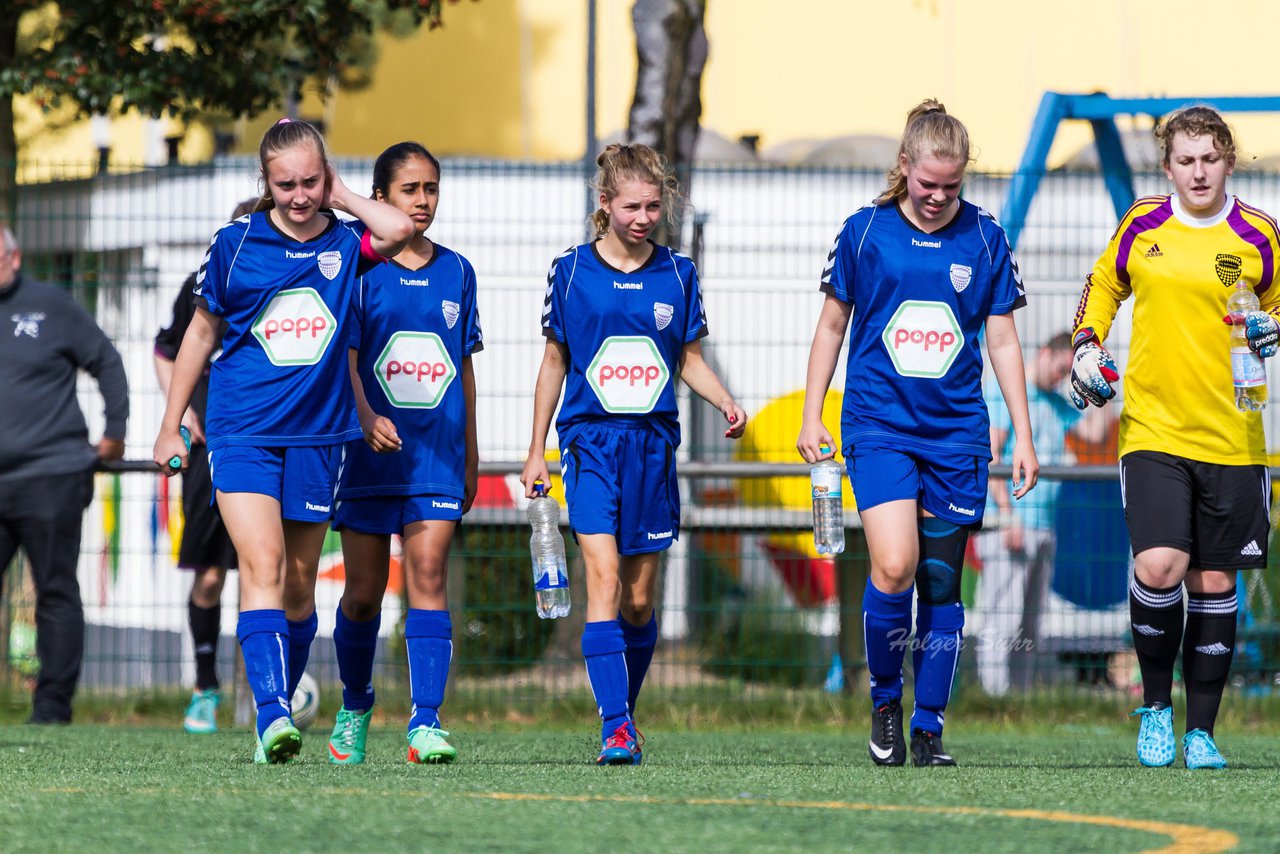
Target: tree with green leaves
(183, 57)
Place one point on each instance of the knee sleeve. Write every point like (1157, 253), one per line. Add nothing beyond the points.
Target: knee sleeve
(942, 546)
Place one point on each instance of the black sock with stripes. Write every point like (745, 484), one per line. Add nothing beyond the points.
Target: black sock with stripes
(1156, 617)
(206, 624)
(1208, 646)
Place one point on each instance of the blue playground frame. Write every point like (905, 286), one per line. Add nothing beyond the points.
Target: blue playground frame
(1100, 110)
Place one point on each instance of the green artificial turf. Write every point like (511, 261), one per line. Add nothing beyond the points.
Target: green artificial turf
(136, 789)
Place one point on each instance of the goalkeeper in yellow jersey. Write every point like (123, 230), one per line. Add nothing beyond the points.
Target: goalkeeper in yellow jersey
(1193, 471)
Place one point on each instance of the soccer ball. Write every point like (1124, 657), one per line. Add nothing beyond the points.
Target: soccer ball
(306, 702)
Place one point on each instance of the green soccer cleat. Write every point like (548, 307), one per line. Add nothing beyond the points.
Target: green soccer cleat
(1200, 751)
(201, 716)
(350, 730)
(428, 747)
(280, 743)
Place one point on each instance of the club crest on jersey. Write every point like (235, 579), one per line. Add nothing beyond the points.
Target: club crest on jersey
(1228, 268)
(960, 277)
(662, 314)
(27, 323)
(329, 263)
(450, 310)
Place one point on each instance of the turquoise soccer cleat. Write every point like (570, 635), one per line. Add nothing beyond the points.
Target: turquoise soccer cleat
(280, 743)
(1155, 735)
(1200, 751)
(427, 746)
(201, 717)
(350, 731)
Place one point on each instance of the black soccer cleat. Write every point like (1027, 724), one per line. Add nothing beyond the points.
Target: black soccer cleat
(887, 746)
(927, 750)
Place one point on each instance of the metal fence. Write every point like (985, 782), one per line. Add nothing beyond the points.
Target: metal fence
(744, 601)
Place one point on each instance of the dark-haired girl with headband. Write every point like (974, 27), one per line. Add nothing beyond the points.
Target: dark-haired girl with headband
(633, 309)
(414, 330)
(280, 403)
(916, 277)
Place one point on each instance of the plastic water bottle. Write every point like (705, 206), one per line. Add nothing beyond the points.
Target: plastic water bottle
(1248, 374)
(828, 506)
(550, 573)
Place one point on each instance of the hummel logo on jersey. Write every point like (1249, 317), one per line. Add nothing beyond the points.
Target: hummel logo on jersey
(662, 535)
(1154, 251)
(289, 253)
(319, 508)
(926, 244)
(1149, 631)
(444, 505)
(1251, 550)
(415, 283)
(964, 511)
(628, 286)
(1213, 649)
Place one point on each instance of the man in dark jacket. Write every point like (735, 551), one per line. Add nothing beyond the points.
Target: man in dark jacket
(46, 460)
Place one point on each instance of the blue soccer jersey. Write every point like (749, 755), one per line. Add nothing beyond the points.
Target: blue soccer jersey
(625, 333)
(281, 378)
(412, 329)
(914, 371)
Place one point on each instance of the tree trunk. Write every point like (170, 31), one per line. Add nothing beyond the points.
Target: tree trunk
(671, 48)
(8, 141)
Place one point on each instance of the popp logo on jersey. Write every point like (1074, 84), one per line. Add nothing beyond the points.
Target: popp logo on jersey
(295, 328)
(628, 374)
(415, 370)
(923, 339)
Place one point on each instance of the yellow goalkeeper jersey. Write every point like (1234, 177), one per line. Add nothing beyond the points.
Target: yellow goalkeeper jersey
(1178, 394)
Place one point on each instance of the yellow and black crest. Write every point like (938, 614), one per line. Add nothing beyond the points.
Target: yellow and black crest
(1228, 268)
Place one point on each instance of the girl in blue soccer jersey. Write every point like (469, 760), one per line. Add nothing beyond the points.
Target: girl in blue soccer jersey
(415, 328)
(920, 272)
(623, 319)
(280, 403)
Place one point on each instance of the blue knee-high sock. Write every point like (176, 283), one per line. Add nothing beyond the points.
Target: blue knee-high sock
(428, 638)
(264, 642)
(640, 641)
(886, 631)
(301, 634)
(605, 651)
(939, 633)
(355, 643)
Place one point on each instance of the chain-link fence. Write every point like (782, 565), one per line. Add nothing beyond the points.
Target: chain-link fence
(744, 599)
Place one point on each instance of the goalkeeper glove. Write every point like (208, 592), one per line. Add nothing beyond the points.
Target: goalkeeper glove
(1263, 332)
(1092, 372)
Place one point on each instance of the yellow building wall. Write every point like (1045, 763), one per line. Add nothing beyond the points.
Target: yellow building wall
(506, 78)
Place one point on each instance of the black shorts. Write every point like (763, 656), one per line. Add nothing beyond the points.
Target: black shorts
(1220, 515)
(205, 541)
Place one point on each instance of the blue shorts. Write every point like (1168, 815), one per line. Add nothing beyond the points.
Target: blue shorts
(950, 486)
(302, 479)
(391, 514)
(622, 481)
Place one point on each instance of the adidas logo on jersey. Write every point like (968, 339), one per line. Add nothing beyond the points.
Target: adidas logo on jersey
(1154, 251)
(1149, 631)
(1213, 649)
(1251, 550)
